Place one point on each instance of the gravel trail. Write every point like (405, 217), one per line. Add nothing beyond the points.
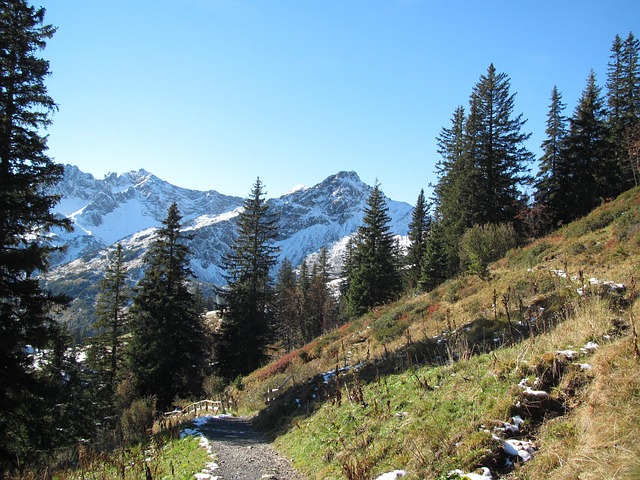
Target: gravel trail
(243, 453)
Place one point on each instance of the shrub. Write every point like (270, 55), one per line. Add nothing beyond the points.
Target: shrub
(482, 244)
(529, 256)
(595, 221)
(392, 324)
(137, 420)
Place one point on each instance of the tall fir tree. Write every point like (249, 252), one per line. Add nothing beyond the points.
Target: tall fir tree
(484, 165)
(623, 104)
(496, 152)
(549, 182)
(588, 172)
(326, 300)
(287, 306)
(105, 354)
(418, 234)
(437, 255)
(167, 349)
(247, 325)
(374, 277)
(320, 312)
(452, 195)
(26, 217)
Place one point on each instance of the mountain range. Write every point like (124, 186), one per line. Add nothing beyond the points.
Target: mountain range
(128, 208)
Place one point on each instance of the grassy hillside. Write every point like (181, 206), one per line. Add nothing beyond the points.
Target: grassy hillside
(430, 384)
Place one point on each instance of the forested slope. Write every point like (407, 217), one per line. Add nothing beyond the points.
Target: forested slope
(542, 352)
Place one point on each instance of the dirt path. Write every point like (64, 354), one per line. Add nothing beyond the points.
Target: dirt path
(242, 453)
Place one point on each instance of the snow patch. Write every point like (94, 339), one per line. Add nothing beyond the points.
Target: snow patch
(392, 475)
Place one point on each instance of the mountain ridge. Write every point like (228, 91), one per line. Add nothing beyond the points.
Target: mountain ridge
(128, 208)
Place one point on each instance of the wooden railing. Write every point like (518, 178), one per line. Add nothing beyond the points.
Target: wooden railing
(202, 407)
(271, 394)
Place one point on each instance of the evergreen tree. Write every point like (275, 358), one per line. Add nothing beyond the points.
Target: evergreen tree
(167, 347)
(326, 301)
(105, 349)
(26, 173)
(313, 304)
(482, 168)
(69, 409)
(287, 308)
(455, 182)
(623, 102)
(549, 181)
(495, 147)
(588, 172)
(304, 286)
(436, 262)
(374, 278)
(246, 329)
(452, 196)
(418, 233)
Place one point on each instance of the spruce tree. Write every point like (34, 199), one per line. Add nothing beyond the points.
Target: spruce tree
(26, 174)
(495, 148)
(247, 325)
(326, 301)
(437, 255)
(320, 312)
(287, 306)
(623, 104)
(167, 349)
(105, 348)
(418, 233)
(313, 304)
(588, 172)
(549, 180)
(452, 197)
(374, 277)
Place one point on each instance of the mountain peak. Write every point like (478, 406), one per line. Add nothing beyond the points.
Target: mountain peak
(126, 208)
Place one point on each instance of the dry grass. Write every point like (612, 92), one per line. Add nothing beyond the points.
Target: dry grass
(597, 436)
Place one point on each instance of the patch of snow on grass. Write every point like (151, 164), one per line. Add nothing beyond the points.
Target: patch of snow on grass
(392, 475)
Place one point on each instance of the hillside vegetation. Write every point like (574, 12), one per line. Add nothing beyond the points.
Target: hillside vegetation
(543, 351)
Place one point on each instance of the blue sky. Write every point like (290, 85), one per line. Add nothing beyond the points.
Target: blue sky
(210, 94)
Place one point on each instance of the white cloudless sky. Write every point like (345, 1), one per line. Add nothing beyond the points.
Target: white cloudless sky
(210, 94)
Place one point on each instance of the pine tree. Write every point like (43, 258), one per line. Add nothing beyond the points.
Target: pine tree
(105, 349)
(374, 278)
(548, 180)
(26, 173)
(588, 172)
(167, 347)
(246, 329)
(418, 233)
(495, 147)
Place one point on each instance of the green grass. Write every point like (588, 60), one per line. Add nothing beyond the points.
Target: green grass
(424, 419)
(409, 412)
(166, 459)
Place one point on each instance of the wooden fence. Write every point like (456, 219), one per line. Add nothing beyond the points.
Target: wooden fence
(202, 407)
(272, 393)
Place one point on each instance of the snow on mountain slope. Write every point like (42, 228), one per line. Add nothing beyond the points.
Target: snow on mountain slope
(128, 208)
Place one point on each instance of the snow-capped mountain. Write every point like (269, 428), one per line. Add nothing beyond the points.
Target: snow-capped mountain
(128, 208)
